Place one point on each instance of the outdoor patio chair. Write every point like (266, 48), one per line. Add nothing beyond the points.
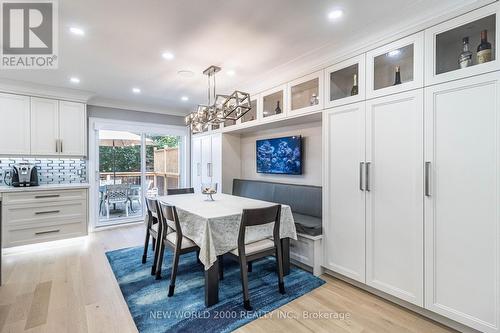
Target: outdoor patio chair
(116, 194)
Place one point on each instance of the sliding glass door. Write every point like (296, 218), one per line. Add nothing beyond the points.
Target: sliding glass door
(130, 162)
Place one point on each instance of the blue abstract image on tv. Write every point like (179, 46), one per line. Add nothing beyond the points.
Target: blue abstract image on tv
(280, 155)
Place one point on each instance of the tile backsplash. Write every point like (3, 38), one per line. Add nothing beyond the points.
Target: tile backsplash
(50, 170)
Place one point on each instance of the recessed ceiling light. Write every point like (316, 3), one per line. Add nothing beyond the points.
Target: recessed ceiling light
(185, 73)
(231, 72)
(168, 55)
(394, 53)
(77, 31)
(74, 80)
(335, 14)
(185, 98)
(136, 90)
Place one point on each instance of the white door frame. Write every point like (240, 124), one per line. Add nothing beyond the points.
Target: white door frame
(96, 124)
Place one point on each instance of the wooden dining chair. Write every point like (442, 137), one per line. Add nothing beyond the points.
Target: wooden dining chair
(152, 229)
(246, 253)
(174, 240)
(174, 191)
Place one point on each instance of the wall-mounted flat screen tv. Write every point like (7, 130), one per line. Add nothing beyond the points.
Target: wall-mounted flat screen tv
(280, 155)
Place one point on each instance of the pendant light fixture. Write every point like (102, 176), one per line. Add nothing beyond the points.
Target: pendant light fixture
(219, 107)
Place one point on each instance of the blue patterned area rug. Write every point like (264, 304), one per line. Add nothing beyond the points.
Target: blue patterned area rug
(153, 311)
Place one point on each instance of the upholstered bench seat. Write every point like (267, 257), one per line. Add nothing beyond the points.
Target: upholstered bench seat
(304, 200)
(307, 224)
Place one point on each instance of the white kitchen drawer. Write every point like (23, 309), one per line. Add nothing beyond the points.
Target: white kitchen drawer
(43, 234)
(41, 213)
(33, 197)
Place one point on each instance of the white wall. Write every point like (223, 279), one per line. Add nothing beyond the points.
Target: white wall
(312, 163)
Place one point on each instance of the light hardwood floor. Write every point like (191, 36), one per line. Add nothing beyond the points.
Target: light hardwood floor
(69, 287)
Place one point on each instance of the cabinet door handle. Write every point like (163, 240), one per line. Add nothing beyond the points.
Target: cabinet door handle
(368, 186)
(427, 180)
(209, 169)
(48, 212)
(361, 166)
(57, 146)
(47, 196)
(198, 169)
(47, 232)
(60, 146)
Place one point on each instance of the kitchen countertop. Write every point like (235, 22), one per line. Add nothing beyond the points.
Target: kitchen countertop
(44, 187)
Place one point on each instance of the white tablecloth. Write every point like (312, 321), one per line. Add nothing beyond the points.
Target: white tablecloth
(214, 225)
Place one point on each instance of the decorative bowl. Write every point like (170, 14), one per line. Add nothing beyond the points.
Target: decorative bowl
(209, 190)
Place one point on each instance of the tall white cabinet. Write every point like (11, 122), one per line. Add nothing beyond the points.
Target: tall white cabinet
(206, 153)
(462, 201)
(374, 193)
(344, 195)
(394, 190)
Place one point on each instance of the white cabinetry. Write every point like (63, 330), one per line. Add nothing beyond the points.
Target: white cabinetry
(343, 195)
(407, 54)
(44, 126)
(14, 124)
(443, 45)
(394, 190)
(72, 129)
(43, 215)
(373, 197)
(206, 157)
(462, 222)
(58, 127)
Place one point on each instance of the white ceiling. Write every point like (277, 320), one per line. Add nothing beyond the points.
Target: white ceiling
(124, 41)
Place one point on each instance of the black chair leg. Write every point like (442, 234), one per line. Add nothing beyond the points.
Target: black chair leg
(249, 267)
(175, 265)
(155, 260)
(159, 264)
(244, 282)
(220, 260)
(146, 244)
(154, 244)
(279, 260)
(198, 257)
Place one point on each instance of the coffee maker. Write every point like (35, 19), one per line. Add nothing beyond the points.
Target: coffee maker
(24, 174)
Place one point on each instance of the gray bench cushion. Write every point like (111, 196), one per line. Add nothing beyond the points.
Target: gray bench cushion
(306, 224)
(304, 200)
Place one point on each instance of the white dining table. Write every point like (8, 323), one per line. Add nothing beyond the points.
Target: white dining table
(214, 227)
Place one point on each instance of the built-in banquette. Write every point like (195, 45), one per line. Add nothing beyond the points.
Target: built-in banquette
(411, 166)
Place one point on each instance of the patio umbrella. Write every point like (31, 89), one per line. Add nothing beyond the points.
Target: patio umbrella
(120, 139)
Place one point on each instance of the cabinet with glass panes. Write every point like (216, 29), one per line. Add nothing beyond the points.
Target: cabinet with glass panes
(462, 47)
(395, 67)
(306, 93)
(252, 114)
(345, 82)
(273, 102)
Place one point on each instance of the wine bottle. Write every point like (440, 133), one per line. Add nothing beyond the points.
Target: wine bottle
(484, 49)
(278, 109)
(314, 100)
(354, 90)
(465, 58)
(397, 76)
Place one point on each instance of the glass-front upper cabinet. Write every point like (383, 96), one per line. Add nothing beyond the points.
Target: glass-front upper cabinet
(345, 82)
(462, 47)
(274, 102)
(395, 67)
(306, 93)
(251, 115)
